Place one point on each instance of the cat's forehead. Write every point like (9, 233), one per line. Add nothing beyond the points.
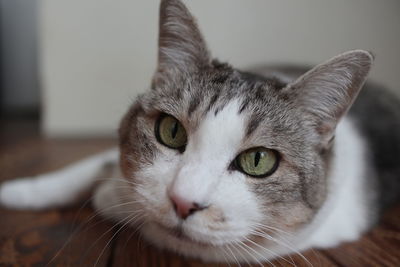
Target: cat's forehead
(219, 133)
(268, 119)
(194, 95)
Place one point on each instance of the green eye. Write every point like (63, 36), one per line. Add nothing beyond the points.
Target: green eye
(257, 162)
(170, 132)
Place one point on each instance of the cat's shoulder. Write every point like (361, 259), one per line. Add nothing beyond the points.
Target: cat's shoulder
(376, 112)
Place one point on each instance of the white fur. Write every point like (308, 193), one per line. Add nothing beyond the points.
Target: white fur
(210, 149)
(55, 188)
(345, 214)
(201, 175)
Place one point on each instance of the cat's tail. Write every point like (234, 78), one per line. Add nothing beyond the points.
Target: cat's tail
(58, 188)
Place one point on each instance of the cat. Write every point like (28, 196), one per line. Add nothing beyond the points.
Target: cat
(231, 166)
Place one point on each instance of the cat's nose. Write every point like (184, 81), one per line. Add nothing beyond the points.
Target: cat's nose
(184, 208)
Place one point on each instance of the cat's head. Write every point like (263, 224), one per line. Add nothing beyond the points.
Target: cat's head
(219, 156)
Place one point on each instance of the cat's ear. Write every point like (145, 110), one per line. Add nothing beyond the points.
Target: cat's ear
(327, 91)
(181, 45)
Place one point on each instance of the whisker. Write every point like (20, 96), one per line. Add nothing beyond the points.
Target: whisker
(280, 242)
(279, 233)
(101, 212)
(270, 238)
(115, 225)
(140, 236)
(70, 236)
(233, 255)
(259, 254)
(269, 251)
(96, 213)
(133, 233)
(118, 179)
(245, 248)
(80, 228)
(223, 255)
(241, 254)
(267, 227)
(112, 237)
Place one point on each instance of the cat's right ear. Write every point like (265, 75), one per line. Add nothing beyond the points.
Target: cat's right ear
(181, 45)
(326, 92)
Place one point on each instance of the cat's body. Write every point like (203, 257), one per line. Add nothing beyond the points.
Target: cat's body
(191, 147)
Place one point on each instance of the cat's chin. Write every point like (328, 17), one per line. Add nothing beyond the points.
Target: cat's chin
(179, 236)
(177, 241)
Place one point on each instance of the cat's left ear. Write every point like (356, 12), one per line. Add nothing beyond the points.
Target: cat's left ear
(327, 91)
(181, 45)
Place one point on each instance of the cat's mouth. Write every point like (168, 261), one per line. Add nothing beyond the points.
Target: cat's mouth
(177, 233)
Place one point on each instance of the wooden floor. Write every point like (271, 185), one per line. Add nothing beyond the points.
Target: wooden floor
(74, 237)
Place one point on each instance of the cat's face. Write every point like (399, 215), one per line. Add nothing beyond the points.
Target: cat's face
(223, 114)
(184, 144)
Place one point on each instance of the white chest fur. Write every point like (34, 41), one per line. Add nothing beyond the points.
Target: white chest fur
(347, 211)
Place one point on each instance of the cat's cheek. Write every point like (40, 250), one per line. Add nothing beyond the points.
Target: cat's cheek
(156, 205)
(128, 164)
(153, 181)
(289, 217)
(239, 206)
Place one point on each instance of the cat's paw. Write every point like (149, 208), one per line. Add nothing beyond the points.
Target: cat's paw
(19, 194)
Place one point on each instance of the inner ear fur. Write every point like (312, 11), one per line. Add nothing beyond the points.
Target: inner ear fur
(326, 92)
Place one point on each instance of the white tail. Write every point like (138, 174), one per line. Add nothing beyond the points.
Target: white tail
(58, 188)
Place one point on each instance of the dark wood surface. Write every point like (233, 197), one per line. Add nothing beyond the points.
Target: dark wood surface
(74, 236)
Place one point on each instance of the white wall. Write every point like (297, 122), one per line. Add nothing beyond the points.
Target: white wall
(96, 55)
(18, 31)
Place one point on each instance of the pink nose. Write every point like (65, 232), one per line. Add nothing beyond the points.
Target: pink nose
(183, 207)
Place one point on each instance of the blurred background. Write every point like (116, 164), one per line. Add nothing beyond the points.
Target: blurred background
(75, 66)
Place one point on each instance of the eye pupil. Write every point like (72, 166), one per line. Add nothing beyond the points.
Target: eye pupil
(258, 162)
(170, 132)
(174, 130)
(257, 158)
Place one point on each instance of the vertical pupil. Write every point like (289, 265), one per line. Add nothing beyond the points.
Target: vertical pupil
(174, 130)
(257, 158)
